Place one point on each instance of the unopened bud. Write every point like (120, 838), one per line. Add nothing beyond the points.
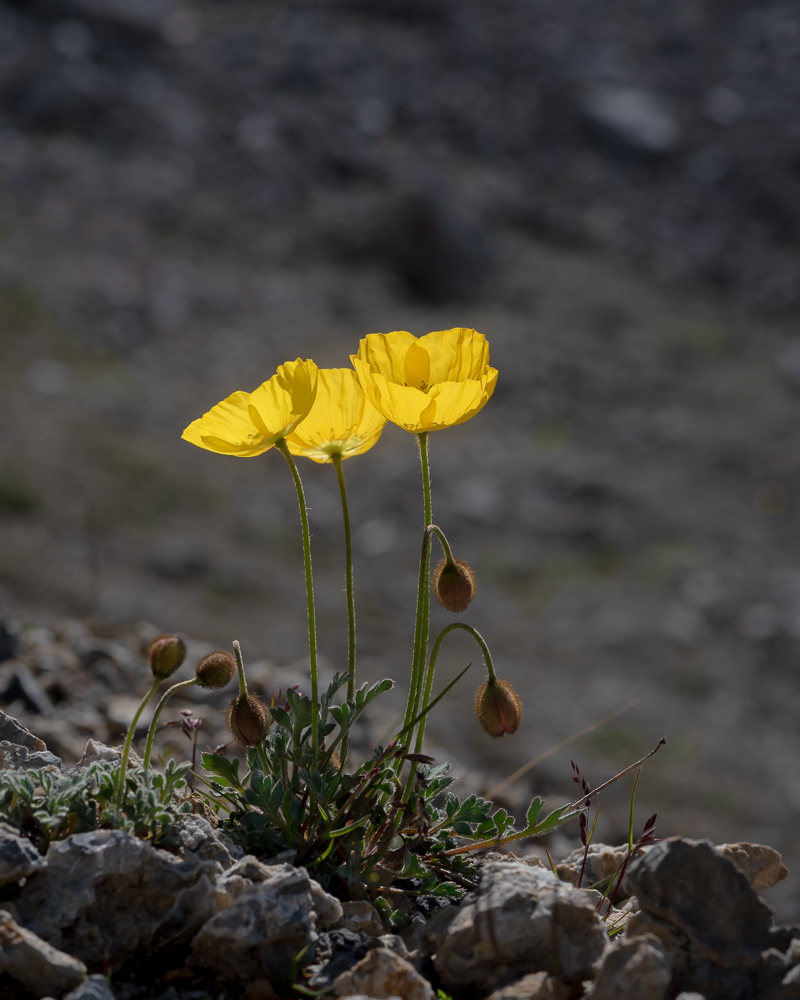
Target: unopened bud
(165, 654)
(498, 707)
(215, 670)
(454, 585)
(247, 720)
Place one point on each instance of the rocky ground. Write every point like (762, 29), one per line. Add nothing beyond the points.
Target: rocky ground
(104, 915)
(192, 194)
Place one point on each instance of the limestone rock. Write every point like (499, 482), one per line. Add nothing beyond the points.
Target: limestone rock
(96, 751)
(535, 986)
(14, 732)
(336, 952)
(521, 920)
(106, 896)
(198, 839)
(18, 857)
(761, 865)
(602, 862)
(94, 988)
(327, 908)
(703, 896)
(34, 964)
(263, 930)
(360, 916)
(635, 969)
(382, 973)
(21, 758)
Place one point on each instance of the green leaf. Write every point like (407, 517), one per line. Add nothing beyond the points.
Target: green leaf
(532, 816)
(449, 890)
(281, 716)
(226, 771)
(554, 820)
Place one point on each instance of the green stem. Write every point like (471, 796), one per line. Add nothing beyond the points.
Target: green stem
(422, 623)
(351, 606)
(434, 529)
(151, 732)
(487, 658)
(123, 764)
(312, 623)
(237, 652)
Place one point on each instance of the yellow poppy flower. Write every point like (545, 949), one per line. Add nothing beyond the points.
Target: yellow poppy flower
(341, 421)
(249, 423)
(426, 384)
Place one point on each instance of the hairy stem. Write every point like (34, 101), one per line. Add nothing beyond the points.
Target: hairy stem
(151, 732)
(312, 622)
(351, 606)
(487, 658)
(422, 622)
(123, 764)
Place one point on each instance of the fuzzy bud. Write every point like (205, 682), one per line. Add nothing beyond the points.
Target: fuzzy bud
(165, 654)
(498, 707)
(215, 670)
(454, 585)
(247, 720)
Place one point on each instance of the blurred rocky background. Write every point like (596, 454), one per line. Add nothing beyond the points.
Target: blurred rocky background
(193, 192)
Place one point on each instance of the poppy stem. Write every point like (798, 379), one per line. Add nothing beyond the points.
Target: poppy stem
(151, 732)
(237, 652)
(336, 458)
(312, 622)
(487, 658)
(422, 623)
(123, 764)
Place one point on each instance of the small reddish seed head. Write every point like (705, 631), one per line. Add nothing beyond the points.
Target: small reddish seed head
(215, 670)
(247, 720)
(454, 585)
(165, 654)
(498, 708)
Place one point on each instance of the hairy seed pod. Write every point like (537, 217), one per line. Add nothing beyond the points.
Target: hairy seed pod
(165, 654)
(248, 720)
(454, 585)
(215, 670)
(498, 707)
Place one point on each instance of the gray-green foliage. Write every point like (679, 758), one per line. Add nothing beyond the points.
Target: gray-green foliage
(47, 806)
(363, 832)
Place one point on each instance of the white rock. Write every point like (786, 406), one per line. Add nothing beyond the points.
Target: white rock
(18, 857)
(360, 916)
(536, 986)
(263, 930)
(382, 973)
(521, 920)
(762, 865)
(34, 964)
(635, 969)
(106, 896)
(637, 117)
(94, 988)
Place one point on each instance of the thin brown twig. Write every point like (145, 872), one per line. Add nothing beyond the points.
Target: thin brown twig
(600, 788)
(559, 746)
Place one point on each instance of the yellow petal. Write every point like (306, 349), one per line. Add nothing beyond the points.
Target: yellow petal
(342, 420)
(417, 367)
(279, 405)
(386, 353)
(456, 355)
(228, 430)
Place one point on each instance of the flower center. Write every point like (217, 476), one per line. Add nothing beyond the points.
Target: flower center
(417, 367)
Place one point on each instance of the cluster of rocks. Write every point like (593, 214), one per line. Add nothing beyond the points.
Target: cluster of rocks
(206, 918)
(68, 684)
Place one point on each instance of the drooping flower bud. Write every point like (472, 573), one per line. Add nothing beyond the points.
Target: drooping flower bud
(454, 584)
(165, 654)
(498, 707)
(215, 670)
(248, 720)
